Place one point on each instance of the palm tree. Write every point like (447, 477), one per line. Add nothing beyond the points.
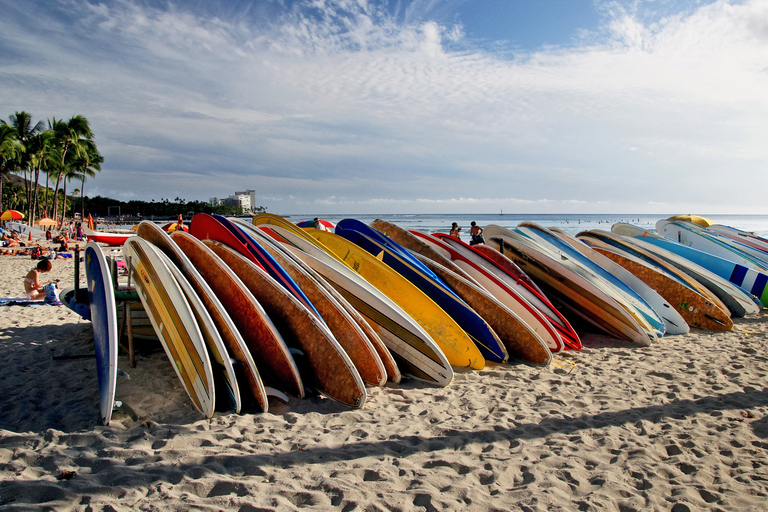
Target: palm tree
(83, 166)
(93, 165)
(21, 122)
(10, 151)
(70, 136)
(43, 156)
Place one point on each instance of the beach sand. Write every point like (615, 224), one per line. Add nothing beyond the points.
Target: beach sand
(681, 425)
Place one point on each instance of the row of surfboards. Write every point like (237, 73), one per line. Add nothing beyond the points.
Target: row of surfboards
(622, 284)
(265, 308)
(283, 309)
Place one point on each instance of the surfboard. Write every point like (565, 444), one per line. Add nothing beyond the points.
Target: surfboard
(452, 340)
(270, 219)
(416, 353)
(105, 237)
(744, 237)
(478, 330)
(384, 355)
(532, 307)
(747, 277)
(624, 295)
(345, 329)
(214, 322)
(685, 235)
(217, 227)
(103, 309)
(327, 367)
(521, 341)
(174, 322)
(644, 255)
(673, 322)
(738, 301)
(266, 360)
(413, 244)
(391, 245)
(697, 310)
(576, 293)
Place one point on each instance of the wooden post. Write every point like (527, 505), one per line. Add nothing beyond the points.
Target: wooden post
(131, 354)
(77, 270)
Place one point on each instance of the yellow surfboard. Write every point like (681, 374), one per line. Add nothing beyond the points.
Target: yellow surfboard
(452, 340)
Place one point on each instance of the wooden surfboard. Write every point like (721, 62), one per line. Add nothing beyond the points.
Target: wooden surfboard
(173, 321)
(266, 349)
(673, 322)
(104, 317)
(415, 351)
(215, 324)
(328, 368)
(695, 309)
(344, 328)
(521, 341)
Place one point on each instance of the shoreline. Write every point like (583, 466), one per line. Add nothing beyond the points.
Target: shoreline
(680, 425)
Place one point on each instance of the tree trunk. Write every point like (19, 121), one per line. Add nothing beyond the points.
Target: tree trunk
(82, 198)
(35, 197)
(64, 204)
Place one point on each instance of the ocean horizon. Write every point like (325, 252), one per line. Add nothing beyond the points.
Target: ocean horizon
(571, 223)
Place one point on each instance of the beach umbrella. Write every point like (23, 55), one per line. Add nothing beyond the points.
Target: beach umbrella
(46, 221)
(311, 223)
(694, 219)
(11, 215)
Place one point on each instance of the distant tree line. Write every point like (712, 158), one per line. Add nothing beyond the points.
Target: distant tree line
(59, 150)
(104, 206)
(62, 151)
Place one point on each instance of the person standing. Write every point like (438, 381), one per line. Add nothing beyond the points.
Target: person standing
(476, 234)
(455, 230)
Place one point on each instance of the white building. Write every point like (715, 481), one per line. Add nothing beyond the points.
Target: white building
(246, 200)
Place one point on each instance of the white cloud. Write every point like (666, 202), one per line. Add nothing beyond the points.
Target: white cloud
(340, 101)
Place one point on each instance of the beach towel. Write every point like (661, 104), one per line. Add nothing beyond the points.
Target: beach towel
(18, 301)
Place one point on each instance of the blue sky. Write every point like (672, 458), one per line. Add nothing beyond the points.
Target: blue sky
(425, 106)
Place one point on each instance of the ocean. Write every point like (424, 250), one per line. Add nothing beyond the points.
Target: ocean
(571, 223)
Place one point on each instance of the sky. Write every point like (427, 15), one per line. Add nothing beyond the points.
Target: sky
(397, 106)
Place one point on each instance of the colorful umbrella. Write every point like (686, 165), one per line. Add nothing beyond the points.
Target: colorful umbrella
(46, 221)
(11, 215)
(311, 223)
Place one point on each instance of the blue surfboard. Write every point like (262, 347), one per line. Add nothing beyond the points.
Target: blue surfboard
(103, 308)
(375, 234)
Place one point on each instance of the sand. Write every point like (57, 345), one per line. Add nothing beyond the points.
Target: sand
(681, 425)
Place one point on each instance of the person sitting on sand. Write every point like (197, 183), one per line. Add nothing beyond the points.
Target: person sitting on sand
(32, 285)
(455, 230)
